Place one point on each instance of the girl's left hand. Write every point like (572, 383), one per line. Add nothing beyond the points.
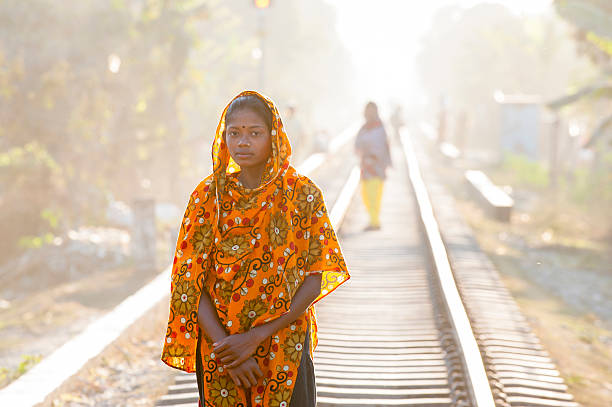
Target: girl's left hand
(235, 349)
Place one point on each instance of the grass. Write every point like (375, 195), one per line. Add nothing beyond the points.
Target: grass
(574, 380)
(27, 362)
(553, 230)
(583, 356)
(574, 209)
(525, 171)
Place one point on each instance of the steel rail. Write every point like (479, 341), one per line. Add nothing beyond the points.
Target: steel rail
(476, 377)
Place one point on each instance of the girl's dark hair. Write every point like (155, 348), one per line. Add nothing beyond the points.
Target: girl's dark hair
(372, 104)
(253, 103)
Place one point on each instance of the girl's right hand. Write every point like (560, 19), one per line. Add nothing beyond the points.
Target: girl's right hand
(246, 374)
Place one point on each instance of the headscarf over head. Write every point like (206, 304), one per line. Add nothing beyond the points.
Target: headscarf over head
(224, 165)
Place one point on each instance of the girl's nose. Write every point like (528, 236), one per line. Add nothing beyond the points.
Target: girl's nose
(243, 141)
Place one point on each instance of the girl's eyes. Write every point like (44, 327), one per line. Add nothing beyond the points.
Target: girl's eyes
(234, 133)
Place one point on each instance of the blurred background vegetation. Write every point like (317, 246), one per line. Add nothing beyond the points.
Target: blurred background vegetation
(474, 60)
(106, 101)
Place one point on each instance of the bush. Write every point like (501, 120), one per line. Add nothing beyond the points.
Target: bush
(526, 172)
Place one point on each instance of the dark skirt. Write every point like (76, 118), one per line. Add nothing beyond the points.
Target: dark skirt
(304, 390)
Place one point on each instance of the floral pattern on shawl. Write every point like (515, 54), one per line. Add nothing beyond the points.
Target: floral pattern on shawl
(260, 246)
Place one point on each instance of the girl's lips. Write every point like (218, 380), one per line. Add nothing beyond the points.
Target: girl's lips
(244, 155)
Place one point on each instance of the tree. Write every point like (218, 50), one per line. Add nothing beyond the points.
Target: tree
(469, 54)
(110, 99)
(592, 20)
(76, 130)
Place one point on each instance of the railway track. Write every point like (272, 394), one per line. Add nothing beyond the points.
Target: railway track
(384, 336)
(519, 370)
(424, 321)
(381, 341)
(398, 332)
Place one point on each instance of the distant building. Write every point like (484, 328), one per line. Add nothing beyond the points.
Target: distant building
(520, 125)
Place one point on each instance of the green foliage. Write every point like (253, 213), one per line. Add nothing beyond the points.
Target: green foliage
(602, 43)
(589, 15)
(470, 53)
(27, 362)
(32, 154)
(35, 242)
(588, 185)
(51, 216)
(75, 130)
(592, 20)
(525, 172)
(574, 380)
(582, 186)
(97, 96)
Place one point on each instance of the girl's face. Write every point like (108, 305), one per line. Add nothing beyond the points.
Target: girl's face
(248, 139)
(370, 113)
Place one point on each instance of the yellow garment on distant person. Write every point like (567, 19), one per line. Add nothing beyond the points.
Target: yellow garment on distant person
(250, 250)
(371, 193)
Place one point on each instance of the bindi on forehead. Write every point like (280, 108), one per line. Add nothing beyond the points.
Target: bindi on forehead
(244, 126)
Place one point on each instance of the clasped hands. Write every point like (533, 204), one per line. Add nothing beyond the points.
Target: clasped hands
(236, 353)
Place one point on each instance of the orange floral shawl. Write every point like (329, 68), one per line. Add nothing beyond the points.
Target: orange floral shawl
(250, 249)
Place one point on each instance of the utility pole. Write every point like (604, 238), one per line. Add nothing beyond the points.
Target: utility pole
(261, 6)
(554, 152)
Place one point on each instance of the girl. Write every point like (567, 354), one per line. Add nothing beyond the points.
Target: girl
(255, 251)
(372, 148)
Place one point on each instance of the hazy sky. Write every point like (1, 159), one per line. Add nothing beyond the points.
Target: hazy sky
(383, 38)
